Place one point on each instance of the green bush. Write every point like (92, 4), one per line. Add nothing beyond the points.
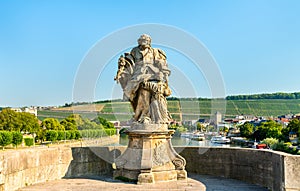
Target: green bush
(110, 132)
(60, 135)
(5, 138)
(28, 141)
(77, 135)
(97, 133)
(83, 133)
(17, 138)
(285, 147)
(73, 135)
(279, 146)
(104, 122)
(51, 135)
(68, 135)
(271, 142)
(41, 135)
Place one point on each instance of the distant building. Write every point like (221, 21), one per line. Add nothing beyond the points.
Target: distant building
(16, 109)
(293, 137)
(287, 116)
(283, 121)
(217, 118)
(189, 122)
(32, 110)
(297, 116)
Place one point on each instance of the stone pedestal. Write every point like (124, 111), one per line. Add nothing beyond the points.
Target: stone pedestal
(150, 156)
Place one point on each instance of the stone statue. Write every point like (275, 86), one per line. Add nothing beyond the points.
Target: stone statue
(150, 157)
(143, 75)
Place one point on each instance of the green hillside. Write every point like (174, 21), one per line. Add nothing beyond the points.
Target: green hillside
(193, 109)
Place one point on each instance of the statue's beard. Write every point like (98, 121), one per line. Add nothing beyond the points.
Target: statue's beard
(144, 46)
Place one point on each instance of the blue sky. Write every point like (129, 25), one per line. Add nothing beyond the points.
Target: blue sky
(255, 43)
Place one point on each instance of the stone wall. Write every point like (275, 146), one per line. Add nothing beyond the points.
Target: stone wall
(93, 161)
(259, 167)
(274, 170)
(270, 169)
(24, 167)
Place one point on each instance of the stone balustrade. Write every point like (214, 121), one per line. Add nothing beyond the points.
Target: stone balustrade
(274, 170)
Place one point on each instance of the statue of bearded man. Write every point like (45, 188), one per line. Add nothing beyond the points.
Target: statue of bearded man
(143, 75)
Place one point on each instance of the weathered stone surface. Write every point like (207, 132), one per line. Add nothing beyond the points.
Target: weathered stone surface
(291, 172)
(271, 169)
(29, 166)
(275, 170)
(143, 75)
(150, 157)
(106, 183)
(145, 178)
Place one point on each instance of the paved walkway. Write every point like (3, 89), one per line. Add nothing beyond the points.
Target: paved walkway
(193, 183)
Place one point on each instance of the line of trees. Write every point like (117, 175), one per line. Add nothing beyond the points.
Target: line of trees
(78, 126)
(18, 121)
(26, 122)
(86, 103)
(269, 129)
(279, 95)
(59, 135)
(7, 138)
(14, 124)
(16, 138)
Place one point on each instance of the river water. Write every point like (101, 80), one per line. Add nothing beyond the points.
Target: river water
(181, 141)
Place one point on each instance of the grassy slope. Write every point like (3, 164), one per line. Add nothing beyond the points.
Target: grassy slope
(193, 109)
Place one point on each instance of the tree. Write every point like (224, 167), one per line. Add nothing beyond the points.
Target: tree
(41, 134)
(179, 130)
(18, 121)
(29, 122)
(294, 126)
(72, 122)
(246, 129)
(17, 138)
(68, 125)
(200, 127)
(224, 130)
(87, 124)
(9, 120)
(285, 133)
(268, 129)
(274, 132)
(106, 124)
(52, 124)
(278, 95)
(270, 142)
(5, 138)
